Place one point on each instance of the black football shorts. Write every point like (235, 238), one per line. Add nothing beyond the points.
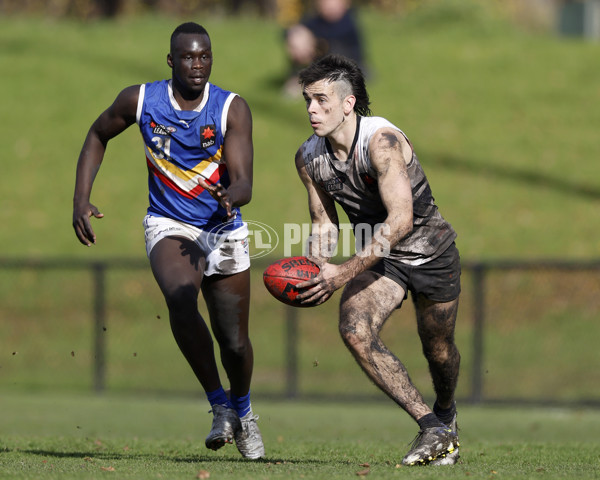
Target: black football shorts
(438, 280)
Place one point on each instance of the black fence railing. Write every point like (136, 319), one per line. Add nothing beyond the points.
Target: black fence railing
(479, 292)
(480, 271)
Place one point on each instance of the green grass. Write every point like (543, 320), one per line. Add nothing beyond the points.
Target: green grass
(505, 124)
(79, 436)
(503, 121)
(47, 340)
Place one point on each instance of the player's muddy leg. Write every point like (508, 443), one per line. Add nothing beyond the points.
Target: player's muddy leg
(367, 302)
(178, 268)
(436, 322)
(228, 300)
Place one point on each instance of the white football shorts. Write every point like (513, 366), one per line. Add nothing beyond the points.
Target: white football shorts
(226, 252)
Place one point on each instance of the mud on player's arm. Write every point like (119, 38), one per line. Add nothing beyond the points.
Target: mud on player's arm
(323, 215)
(389, 153)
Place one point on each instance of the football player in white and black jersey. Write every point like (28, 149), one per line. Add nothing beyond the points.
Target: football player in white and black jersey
(368, 166)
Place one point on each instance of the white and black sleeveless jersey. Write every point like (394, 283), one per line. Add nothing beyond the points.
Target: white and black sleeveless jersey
(353, 184)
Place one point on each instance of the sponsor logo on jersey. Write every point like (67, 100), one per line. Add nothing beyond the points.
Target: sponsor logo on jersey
(160, 129)
(333, 184)
(208, 135)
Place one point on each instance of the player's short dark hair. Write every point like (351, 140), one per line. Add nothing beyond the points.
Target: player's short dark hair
(188, 27)
(335, 67)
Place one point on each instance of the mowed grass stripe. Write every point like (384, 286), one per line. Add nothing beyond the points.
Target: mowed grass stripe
(84, 436)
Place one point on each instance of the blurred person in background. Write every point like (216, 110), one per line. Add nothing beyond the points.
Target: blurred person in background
(333, 28)
(199, 154)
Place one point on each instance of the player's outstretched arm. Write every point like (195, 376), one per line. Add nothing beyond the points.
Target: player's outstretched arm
(114, 120)
(323, 216)
(389, 152)
(323, 237)
(239, 155)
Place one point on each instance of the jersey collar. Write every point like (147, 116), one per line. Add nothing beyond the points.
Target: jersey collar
(351, 152)
(199, 107)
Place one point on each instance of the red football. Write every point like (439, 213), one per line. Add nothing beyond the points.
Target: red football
(282, 277)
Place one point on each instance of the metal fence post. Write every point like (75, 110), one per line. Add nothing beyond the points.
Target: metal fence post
(479, 271)
(99, 294)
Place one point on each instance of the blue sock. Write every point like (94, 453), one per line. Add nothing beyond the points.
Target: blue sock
(241, 404)
(218, 397)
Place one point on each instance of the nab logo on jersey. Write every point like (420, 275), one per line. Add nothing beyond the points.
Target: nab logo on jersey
(208, 135)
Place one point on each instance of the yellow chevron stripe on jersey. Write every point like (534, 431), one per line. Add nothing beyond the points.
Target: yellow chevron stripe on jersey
(186, 179)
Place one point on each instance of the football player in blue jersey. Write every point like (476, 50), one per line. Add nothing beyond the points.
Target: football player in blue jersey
(199, 153)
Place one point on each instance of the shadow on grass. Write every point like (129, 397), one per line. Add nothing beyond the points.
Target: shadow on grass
(173, 458)
(534, 179)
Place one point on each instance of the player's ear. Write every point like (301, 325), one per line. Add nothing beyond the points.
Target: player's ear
(349, 103)
(169, 60)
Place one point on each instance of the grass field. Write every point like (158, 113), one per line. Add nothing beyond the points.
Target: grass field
(82, 437)
(502, 119)
(503, 122)
(506, 125)
(549, 320)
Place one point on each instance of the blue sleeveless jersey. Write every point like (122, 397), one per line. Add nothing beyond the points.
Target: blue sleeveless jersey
(182, 146)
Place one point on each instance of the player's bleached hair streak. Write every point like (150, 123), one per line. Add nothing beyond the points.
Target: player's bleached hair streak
(337, 68)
